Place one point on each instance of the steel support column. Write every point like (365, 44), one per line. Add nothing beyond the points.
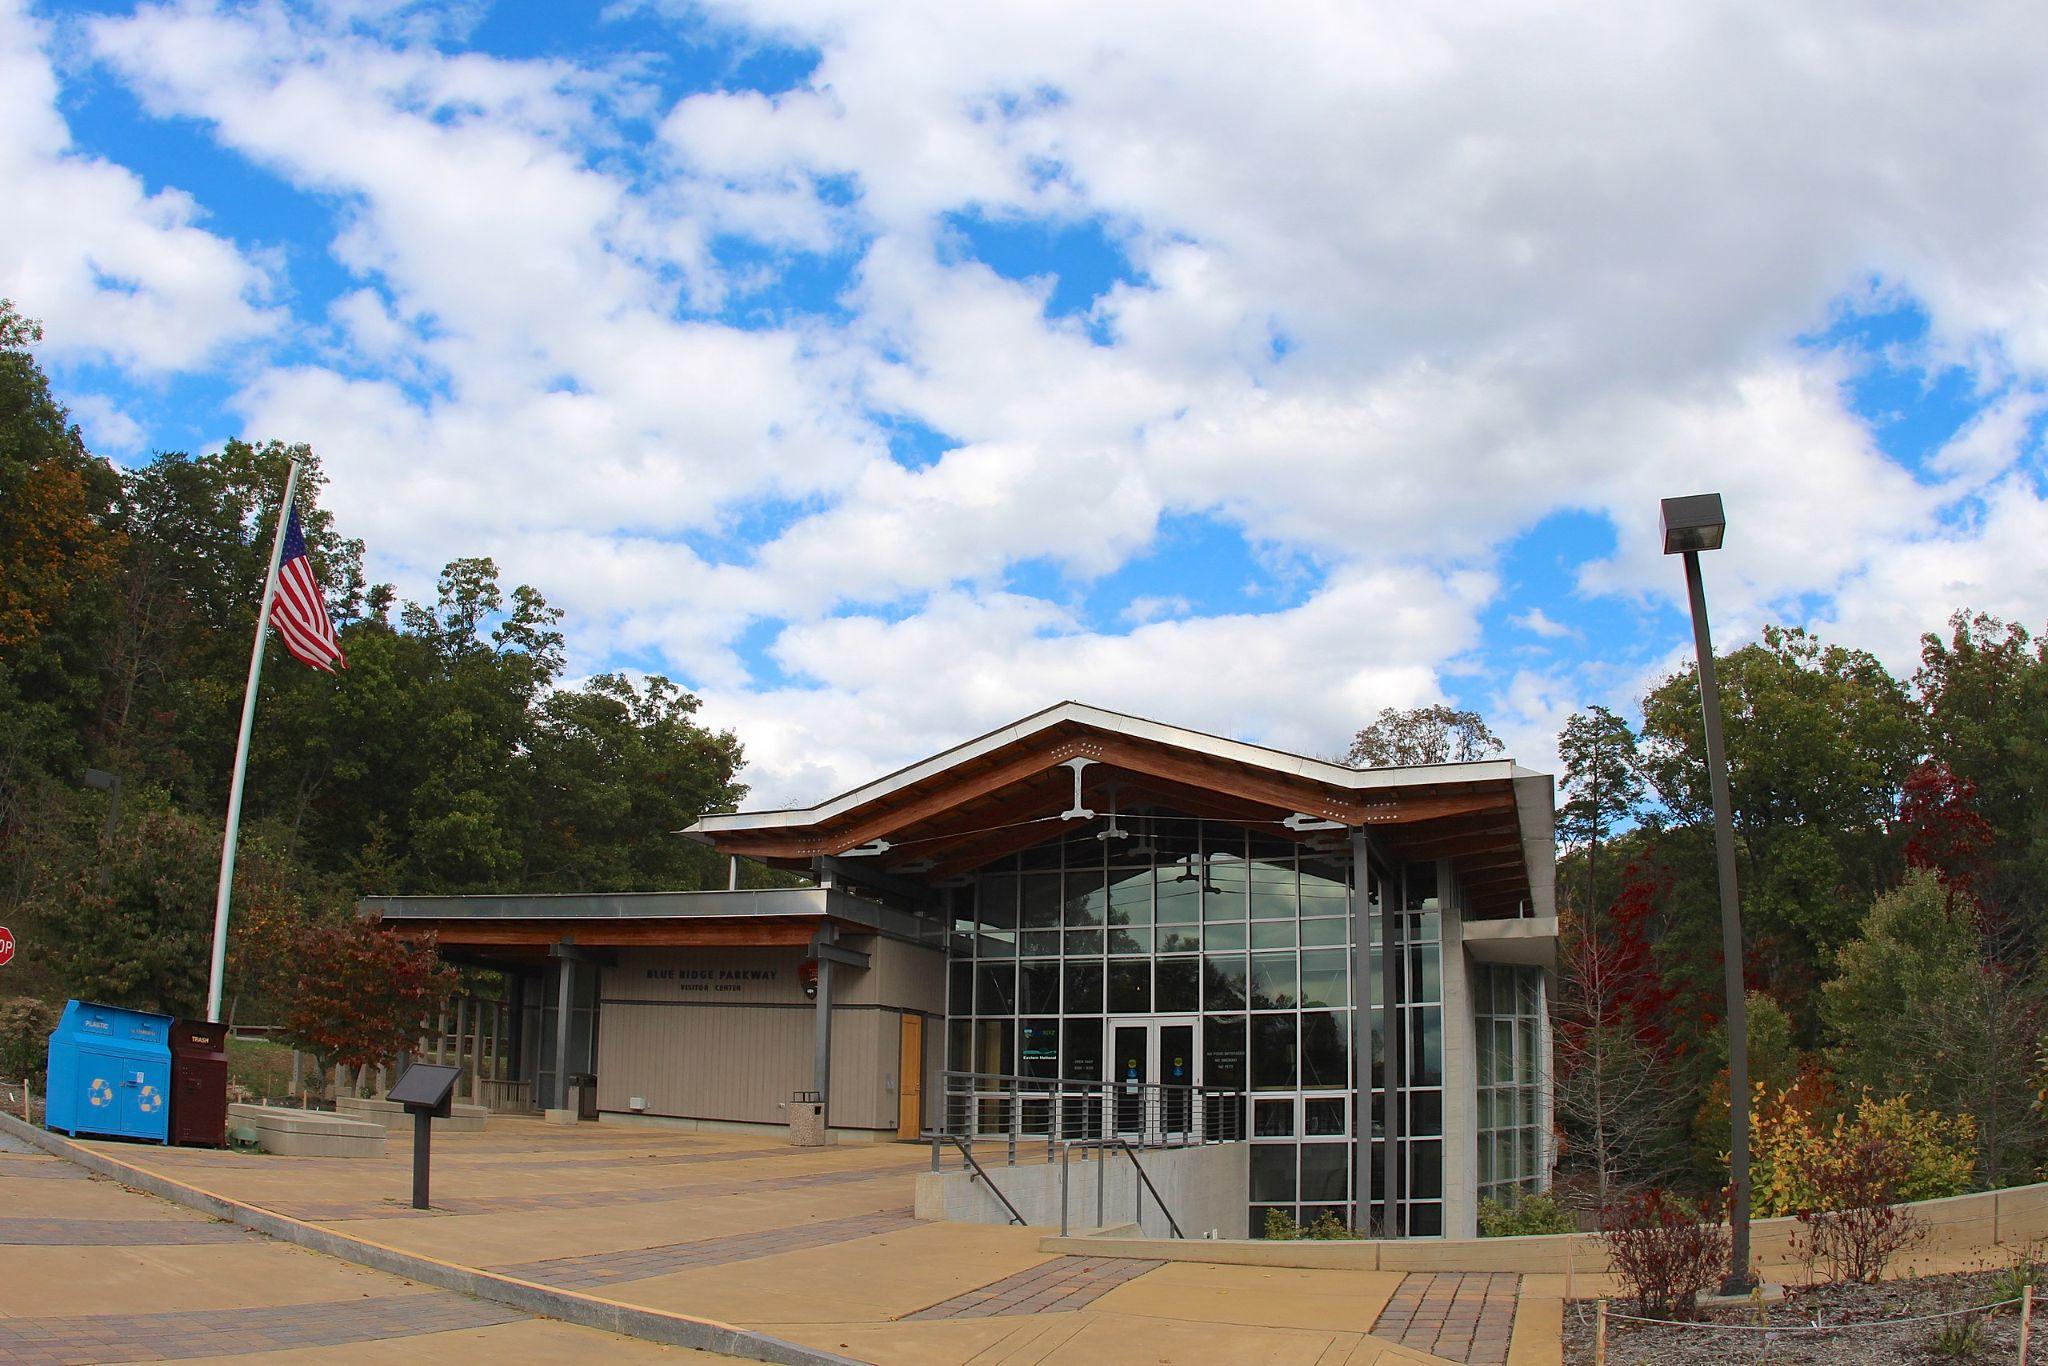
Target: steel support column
(564, 1004)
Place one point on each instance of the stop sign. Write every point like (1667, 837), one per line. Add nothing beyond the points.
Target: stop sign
(6, 945)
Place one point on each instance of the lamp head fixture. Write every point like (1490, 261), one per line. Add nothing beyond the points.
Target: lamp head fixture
(1694, 522)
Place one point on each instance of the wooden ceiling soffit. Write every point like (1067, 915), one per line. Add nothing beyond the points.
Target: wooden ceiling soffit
(996, 844)
(1458, 846)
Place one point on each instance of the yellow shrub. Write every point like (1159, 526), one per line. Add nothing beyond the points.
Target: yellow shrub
(1789, 1146)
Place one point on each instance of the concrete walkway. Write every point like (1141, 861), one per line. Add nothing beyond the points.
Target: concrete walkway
(816, 1246)
(93, 1272)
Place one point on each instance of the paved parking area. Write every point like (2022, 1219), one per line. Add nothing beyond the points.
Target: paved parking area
(816, 1246)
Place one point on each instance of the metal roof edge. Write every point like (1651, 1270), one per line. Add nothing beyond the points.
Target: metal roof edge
(1158, 732)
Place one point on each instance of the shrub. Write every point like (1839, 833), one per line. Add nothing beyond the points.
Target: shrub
(1855, 1225)
(25, 1025)
(1281, 1227)
(1533, 1213)
(1666, 1251)
(1793, 1148)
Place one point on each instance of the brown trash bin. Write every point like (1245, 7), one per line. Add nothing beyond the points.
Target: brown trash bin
(199, 1083)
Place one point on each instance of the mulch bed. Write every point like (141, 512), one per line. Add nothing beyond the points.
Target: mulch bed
(1871, 1330)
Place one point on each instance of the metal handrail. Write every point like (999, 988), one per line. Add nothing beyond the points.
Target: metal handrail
(1102, 1146)
(989, 1181)
(985, 1106)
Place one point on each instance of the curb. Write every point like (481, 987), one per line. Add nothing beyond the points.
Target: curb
(588, 1311)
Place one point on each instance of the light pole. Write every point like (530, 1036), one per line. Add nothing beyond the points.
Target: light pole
(1693, 524)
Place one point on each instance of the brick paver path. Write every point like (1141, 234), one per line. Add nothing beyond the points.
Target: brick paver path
(1465, 1316)
(1060, 1284)
(233, 1332)
(633, 1264)
(115, 1232)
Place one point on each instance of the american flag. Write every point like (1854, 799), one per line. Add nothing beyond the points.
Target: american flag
(299, 611)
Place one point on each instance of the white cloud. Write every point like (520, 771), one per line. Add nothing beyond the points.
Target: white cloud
(1538, 622)
(111, 268)
(1404, 285)
(107, 428)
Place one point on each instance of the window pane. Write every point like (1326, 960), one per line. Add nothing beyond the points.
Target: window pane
(1325, 1171)
(998, 901)
(1130, 897)
(1178, 987)
(1326, 933)
(1272, 890)
(997, 992)
(1223, 890)
(1323, 1117)
(1039, 989)
(994, 1041)
(1324, 978)
(1032, 942)
(1179, 938)
(1130, 988)
(1274, 984)
(1325, 1049)
(1128, 942)
(1273, 1171)
(1223, 981)
(1273, 1055)
(1180, 901)
(1426, 1037)
(1039, 1048)
(961, 998)
(1084, 1046)
(1223, 936)
(1325, 888)
(1086, 897)
(1084, 943)
(1084, 988)
(1273, 934)
(1423, 982)
(1273, 1119)
(1426, 1169)
(1041, 901)
(1223, 1053)
(1426, 1113)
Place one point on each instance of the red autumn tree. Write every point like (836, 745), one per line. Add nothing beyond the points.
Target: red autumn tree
(1938, 811)
(364, 994)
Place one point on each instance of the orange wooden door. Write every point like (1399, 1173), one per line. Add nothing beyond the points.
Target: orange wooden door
(910, 1079)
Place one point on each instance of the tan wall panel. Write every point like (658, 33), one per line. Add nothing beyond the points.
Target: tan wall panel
(864, 1061)
(717, 977)
(906, 976)
(705, 1062)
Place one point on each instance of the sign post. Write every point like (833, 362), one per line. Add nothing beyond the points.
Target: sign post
(427, 1090)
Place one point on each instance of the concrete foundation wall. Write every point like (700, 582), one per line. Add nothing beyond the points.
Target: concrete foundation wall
(1962, 1223)
(1207, 1188)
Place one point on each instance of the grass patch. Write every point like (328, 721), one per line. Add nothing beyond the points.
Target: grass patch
(261, 1068)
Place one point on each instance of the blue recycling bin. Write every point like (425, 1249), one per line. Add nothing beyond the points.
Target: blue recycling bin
(110, 1073)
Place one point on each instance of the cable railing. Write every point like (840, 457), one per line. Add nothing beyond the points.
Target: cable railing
(1026, 1114)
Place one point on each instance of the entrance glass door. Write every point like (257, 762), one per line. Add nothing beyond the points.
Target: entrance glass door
(1157, 1063)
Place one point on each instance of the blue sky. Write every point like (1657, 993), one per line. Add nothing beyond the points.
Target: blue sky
(885, 374)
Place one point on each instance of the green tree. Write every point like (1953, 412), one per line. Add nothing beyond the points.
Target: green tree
(1437, 734)
(1985, 690)
(1603, 790)
(1820, 739)
(1917, 1009)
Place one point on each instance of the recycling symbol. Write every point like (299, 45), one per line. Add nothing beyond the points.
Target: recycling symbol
(151, 1100)
(99, 1093)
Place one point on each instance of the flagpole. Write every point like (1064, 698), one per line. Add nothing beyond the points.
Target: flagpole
(227, 848)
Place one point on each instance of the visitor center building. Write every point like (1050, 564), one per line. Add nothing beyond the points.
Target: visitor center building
(1359, 958)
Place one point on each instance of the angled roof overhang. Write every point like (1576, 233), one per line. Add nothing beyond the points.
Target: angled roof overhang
(1007, 790)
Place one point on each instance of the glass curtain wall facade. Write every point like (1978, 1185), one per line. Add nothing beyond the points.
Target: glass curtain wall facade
(1171, 948)
(1508, 1025)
